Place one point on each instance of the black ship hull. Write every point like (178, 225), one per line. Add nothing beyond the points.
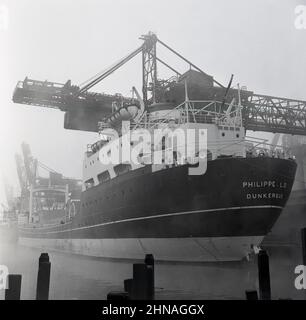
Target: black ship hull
(217, 216)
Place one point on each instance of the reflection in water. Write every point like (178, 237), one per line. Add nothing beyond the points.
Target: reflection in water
(79, 277)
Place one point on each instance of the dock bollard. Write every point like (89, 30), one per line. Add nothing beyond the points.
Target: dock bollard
(43, 277)
(303, 234)
(117, 296)
(128, 286)
(264, 276)
(140, 287)
(149, 261)
(251, 295)
(14, 287)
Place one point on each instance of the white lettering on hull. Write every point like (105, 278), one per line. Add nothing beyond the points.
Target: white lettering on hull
(264, 184)
(256, 196)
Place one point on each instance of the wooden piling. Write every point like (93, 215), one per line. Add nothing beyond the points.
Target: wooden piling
(128, 286)
(43, 277)
(149, 261)
(141, 287)
(264, 276)
(14, 287)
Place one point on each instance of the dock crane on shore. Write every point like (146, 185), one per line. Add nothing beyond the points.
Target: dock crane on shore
(83, 108)
(37, 189)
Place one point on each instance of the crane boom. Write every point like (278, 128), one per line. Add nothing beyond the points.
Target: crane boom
(21, 173)
(110, 71)
(275, 114)
(84, 109)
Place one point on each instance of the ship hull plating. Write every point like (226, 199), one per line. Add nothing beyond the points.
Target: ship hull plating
(218, 216)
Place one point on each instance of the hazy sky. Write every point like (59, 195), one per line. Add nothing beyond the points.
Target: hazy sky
(72, 39)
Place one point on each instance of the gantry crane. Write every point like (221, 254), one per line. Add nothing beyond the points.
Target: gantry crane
(84, 109)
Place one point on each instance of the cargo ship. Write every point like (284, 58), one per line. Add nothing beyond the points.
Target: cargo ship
(129, 208)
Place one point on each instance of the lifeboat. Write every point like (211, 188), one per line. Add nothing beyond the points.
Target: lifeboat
(124, 113)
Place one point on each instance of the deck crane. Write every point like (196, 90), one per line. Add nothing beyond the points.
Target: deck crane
(84, 109)
(30, 164)
(21, 172)
(40, 186)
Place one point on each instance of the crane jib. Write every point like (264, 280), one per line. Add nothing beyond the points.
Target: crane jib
(84, 109)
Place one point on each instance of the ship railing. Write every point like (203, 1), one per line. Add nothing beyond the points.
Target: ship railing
(261, 147)
(190, 111)
(196, 111)
(218, 113)
(257, 147)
